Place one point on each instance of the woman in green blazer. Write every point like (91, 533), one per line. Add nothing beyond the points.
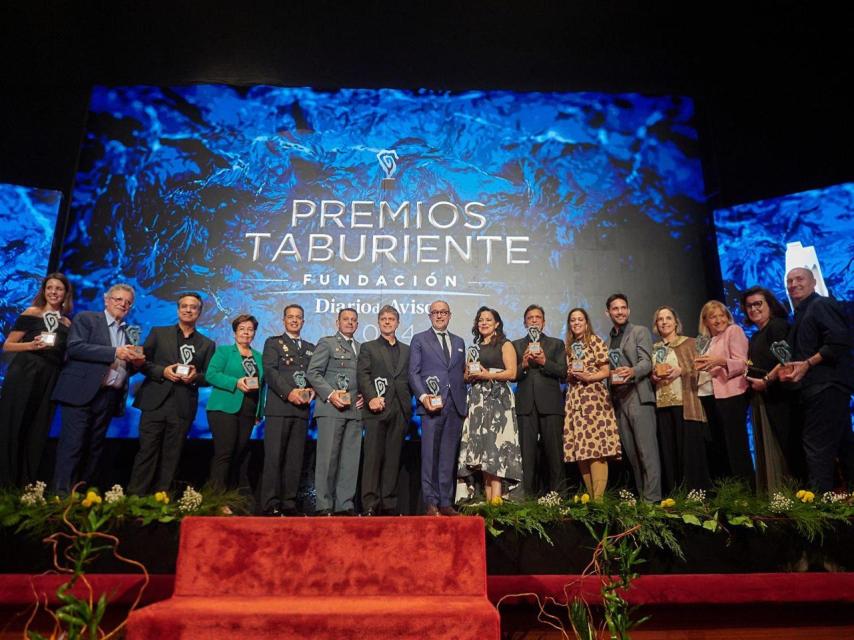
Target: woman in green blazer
(235, 373)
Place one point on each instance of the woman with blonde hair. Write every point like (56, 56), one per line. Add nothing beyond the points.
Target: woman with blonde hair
(723, 392)
(680, 415)
(590, 434)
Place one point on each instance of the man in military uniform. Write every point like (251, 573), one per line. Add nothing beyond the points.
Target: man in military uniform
(332, 373)
(285, 359)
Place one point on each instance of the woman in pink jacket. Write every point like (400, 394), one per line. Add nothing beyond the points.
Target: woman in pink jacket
(723, 392)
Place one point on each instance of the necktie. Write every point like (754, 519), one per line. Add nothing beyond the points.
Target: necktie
(350, 344)
(445, 348)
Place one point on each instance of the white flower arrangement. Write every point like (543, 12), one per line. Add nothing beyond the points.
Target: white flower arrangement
(551, 499)
(33, 494)
(114, 495)
(696, 495)
(191, 500)
(780, 503)
(628, 497)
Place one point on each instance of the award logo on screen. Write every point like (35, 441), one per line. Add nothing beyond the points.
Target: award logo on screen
(388, 161)
(187, 352)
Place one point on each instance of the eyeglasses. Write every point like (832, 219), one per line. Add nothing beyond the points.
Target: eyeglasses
(122, 301)
(755, 305)
(440, 313)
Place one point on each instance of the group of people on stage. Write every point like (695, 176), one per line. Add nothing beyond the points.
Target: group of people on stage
(676, 408)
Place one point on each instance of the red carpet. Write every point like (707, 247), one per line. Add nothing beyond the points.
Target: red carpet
(326, 578)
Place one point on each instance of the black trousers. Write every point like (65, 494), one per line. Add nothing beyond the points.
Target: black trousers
(549, 430)
(682, 450)
(284, 446)
(381, 461)
(729, 449)
(231, 432)
(81, 441)
(827, 421)
(161, 438)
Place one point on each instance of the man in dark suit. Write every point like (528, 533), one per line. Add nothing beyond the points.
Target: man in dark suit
(540, 402)
(634, 397)
(286, 359)
(820, 339)
(92, 386)
(383, 374)
(332, 373)
(176, 358)
(436, 364)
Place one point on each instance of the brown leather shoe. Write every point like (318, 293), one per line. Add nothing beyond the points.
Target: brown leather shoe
(432, 510)
(448, 511)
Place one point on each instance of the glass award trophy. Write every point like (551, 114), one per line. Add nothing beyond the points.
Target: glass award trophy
(703, 343)
(300, 381)
(343, 382)
(134, 333)
(472, 359)
(51, 324)
(380, 386)
(187, 351)
(615, 358)
(782, 351)
(435, 399)
(251, 370)
(534, 334)
(577, 357)
(659, 356)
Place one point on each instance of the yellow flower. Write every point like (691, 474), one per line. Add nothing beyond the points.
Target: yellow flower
(800, 494)
(585, 498)
(496, 501)
(161, 496)
(808, 496)
(668, 502)
(575, 499)
(91, 499)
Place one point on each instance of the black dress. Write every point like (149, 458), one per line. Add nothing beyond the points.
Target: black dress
(25, 406)
(779, 403)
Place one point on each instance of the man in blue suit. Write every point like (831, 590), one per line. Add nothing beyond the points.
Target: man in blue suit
(436, 365)
(92, 385)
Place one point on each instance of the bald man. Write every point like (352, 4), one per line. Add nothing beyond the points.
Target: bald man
(821, 350)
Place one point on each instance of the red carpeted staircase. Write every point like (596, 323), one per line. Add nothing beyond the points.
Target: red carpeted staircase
(406, 577)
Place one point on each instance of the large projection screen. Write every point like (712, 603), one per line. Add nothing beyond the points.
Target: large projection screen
(261, 196)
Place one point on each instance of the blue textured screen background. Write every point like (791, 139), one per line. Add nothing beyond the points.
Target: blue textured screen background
(607, 189)
(752, 241)
(27, 223)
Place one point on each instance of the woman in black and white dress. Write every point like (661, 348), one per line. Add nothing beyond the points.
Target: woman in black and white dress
(490, 439)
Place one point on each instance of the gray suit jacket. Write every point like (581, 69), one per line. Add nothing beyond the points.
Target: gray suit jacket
(331, 357)
(636, 346)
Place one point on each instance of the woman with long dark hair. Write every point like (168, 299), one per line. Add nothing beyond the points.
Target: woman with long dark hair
(38, 340)
(774, 404)
(590, 433)
(490, 438)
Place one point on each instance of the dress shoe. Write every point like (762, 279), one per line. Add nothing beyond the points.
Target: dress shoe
(448, 511)
(323, 512)
(432, 510)
(273, 512)
(346, 512)
(370, 512)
